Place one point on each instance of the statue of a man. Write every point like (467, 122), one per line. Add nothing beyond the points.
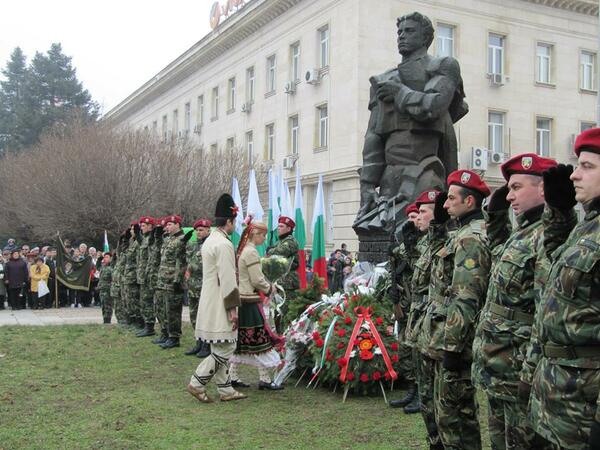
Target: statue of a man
(410, 143)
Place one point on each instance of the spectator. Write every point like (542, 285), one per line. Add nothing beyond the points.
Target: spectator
(15, 278)
(344, 249)
(10, 245)
(77, 254)
(3, 261)
(24, 250)
(95, 276)
(83, 250)
(39, 272)
(336, 271)
(50, 261)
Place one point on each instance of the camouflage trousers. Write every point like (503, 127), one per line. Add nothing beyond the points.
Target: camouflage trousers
(159, 310)
(405, 354)
(562, 405)
(107, 306)
(119, 303)
(510, 428)
(147, 303)
(171, 303)
(193, 301)
(132, 302)
(424, 376)
(456, 409)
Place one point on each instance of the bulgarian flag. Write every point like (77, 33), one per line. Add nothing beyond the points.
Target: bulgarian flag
(239, 219)
(106, 247)
(274, 210)
(318, 228)
(300, 230)
(254, 208)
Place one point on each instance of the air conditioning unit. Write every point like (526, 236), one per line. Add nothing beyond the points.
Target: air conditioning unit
(290, 87)
(246, 107)
(496, 157)
(289, 162)
(198, 129)
(479, 158)
(313, 76)
(497, 79)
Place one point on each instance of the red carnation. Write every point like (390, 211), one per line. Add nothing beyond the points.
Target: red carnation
(364, 377)
(366, 355)
(342, 362)
(348, 320)
(319, 342)
(387, 376)
(395, 358)
(338, 311)
(341, 345)
(376, 375)
(341, 332)
(394, 346)
(379, 321)
(354, 297)
(350, 376)
(316, 335)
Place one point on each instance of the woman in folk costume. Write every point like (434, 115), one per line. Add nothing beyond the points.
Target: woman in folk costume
(256, 340)
(217, 318)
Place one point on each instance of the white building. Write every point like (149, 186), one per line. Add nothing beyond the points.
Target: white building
(287, 80)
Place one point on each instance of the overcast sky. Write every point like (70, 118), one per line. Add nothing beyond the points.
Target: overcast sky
(116, 46)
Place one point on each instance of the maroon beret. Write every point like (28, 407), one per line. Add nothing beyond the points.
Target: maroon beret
(412, 208)
(588, 141)
(173, 219)
(287, 221)
(470, 180)
(202, 223)
(133, 223)
(147, 219)
(426, 197)
(526, 163)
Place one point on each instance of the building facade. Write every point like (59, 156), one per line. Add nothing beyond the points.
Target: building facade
(287, 81)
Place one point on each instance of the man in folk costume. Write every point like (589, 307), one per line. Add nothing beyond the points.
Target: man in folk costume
(217, 319)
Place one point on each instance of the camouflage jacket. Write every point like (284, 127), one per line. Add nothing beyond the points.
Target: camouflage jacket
(142, 258)
(194, 267)
(154, 259)
(459, 280)
(129, 274)
(403, 262)
(288, 248)
(172, 262)
(504, 329)
(105, 280)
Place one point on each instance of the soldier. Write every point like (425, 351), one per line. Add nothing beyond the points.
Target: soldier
(171, 278)
(193, 276)
(504, 328)
(104, 287)
(129, 279)
(459, 280)
(402, 261)
(146, 293)
(156, 241)
(218, 308)
(566, 384)
(287, 246)
(120, 299)
(115, 287)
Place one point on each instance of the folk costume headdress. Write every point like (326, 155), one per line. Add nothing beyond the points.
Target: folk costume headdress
(250, 226)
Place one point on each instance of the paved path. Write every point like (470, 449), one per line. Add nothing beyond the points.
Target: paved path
(60, 316)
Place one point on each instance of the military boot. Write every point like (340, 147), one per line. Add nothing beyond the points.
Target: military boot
(161, 339)
(204, 350)
(147, 331)
(408, 398)
(194, 349)
(170, 343)
(414, 406)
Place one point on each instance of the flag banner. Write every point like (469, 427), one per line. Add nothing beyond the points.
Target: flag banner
(239, 219)
(254, 208)
(73, 274)
(274, 210)
(319, 260)
(106, 247)
(300, 230)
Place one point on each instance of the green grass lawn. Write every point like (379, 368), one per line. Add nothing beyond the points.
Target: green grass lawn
(95, 386)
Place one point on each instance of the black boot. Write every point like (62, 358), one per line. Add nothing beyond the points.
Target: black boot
(438, 446)
(414, 406)
(170, 343)
(410, 395)
(204, 350)
(194, 349)
(107, 320)
(161, 339)
(147, 331)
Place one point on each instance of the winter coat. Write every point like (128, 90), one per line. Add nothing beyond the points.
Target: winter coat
(16, 273)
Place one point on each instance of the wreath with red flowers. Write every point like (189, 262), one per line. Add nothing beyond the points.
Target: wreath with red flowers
(360, 365)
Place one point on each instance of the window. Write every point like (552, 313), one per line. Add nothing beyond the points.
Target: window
(187, 118)
(250, 147)
(496, 54)
(295, 61)
(250, 84)
(445, 40)
(200, 111)
(164, 127)
(587, 64)
(231, 89)
(270, 142)
(271, 72)
(214, 147)
(323, 126)
(496, 132)
(215, 103)
(324, 47)
(294, 134)
(543, 63)
(230, 143)
(543, 136)
(586, 126)
(175, 122)
(155, 127)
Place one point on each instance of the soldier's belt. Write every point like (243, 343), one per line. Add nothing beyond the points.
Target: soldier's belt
(511, 314)
(570, 351)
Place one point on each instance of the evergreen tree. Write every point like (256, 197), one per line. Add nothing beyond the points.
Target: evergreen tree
(36, 97)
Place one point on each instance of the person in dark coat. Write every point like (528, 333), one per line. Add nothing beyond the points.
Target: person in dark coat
(16, 276)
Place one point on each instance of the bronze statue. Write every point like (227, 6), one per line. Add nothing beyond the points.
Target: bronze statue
(410, 143)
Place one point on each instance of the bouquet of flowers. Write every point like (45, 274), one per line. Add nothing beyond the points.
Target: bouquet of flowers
(275, 267)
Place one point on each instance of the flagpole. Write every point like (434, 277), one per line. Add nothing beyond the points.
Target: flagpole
(55, 287)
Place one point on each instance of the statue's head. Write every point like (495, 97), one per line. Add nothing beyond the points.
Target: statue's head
(415, 31)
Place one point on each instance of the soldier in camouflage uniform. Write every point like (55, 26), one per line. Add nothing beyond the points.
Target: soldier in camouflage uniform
(115, 288)
(146, 293)
(160, 313)
(287, 246)
(104, 288)
(459, 281)
(566, 384)
(171, 278)
(504, 329)
(193, 276)
(402, 261)
(129, 279)
(118, 285)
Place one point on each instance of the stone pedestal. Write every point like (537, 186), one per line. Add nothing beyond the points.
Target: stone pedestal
(373, 246)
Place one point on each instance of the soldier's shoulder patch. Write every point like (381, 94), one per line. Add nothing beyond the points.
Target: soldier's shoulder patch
(470, 263)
